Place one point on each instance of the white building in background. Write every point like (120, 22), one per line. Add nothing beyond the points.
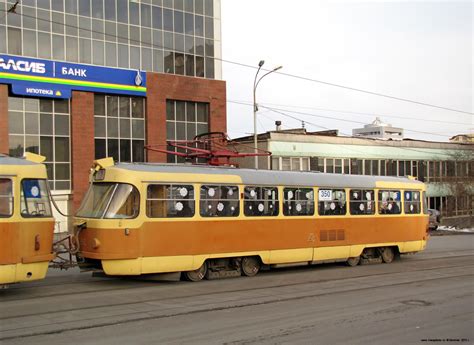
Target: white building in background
(379, 130)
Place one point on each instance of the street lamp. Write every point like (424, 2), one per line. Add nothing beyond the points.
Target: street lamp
(255, 107)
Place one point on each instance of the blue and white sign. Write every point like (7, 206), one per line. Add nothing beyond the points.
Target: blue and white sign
(38, 90)
(45, 78)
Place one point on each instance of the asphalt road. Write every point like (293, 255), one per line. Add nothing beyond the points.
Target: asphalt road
(423, 298)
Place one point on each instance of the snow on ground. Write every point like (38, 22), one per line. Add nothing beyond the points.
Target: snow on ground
(454, 229)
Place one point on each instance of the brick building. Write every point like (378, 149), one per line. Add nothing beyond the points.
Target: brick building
(81, 80)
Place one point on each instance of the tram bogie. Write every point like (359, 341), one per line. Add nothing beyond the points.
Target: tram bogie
(210, 222)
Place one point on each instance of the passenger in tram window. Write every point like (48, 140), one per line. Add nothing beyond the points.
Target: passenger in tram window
(340, 207)
(355, 203)
(184, 210)
(384, 207)
(392, 207)
(273, 205)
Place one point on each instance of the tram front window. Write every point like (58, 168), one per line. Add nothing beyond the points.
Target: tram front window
(35, 198)
(110, 200)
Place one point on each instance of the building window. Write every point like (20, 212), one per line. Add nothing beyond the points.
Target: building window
(178, 39)
(291, 163)
(185, 120)
(42, 126)
(119, 128)
(383, 171)
(357, 166)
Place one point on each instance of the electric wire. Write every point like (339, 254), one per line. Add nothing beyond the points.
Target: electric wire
(132, 40)
(328, 141)
(253, 67)
(11, 9)
(249, 66)
(362, 138)
(382, 143)
(363, 114)
(329, 117)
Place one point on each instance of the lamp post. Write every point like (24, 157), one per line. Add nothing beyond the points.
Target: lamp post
(255, 107)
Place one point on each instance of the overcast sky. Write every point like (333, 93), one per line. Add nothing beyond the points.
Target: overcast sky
(419, 50)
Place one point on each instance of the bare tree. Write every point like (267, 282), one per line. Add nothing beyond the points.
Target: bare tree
(459, 181)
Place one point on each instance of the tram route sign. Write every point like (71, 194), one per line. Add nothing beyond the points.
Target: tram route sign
(47, 78)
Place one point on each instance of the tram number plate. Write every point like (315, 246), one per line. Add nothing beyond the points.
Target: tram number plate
(325, 195)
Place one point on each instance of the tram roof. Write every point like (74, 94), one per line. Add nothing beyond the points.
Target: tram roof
(268, 177)
(7, 160)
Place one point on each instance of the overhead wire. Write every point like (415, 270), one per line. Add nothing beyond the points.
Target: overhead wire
(11, 9)
(362, 138)
(364, 114)
(346, 134)
(245, 65)
(327, 140)
(352, 88)
(277, 72)
(328, 117)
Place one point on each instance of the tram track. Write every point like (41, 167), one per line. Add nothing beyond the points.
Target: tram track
(128, 283)
(66, 280)
(316, 286)
(226, 306)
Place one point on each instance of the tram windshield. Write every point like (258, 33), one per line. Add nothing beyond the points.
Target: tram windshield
(110, 200)
(35, 198)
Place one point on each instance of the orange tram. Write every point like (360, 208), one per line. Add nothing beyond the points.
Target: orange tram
(209, 222)
(26, 221)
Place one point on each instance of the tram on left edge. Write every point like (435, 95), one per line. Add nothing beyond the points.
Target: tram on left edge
(26, 220)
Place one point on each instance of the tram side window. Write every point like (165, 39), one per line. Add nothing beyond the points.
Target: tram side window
(170, 201)
(260, 201)
(219, 201)
(412, 203)
(298, 202)
(35, 199)
(332, 202)
(6, 197)
(389, 202)
(362, 201)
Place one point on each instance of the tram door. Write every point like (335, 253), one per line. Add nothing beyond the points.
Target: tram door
(35, 230)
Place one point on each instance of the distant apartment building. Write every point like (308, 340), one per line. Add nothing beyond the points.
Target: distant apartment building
(463, 138)
(379, 130)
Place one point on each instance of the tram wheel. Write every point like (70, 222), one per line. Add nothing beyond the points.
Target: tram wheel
(353, 261)
(196, 275)
(387, 254)
(250, 266)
